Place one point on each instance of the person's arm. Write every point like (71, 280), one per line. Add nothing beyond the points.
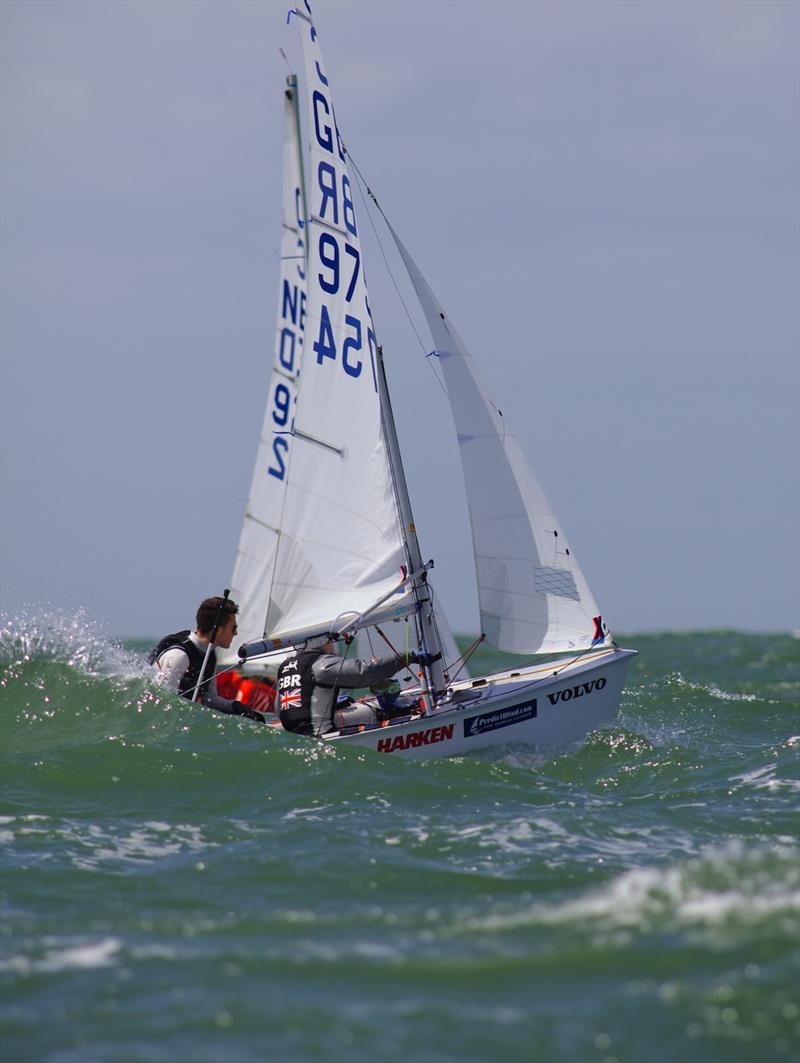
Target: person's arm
(340, 672)
(212, 700)
(171, 667)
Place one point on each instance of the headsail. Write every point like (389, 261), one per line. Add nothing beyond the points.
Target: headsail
(255, 556)
(533, 596)
(341, 547)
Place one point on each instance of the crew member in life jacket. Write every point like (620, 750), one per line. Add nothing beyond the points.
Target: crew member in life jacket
(178, 658)
(309, 683)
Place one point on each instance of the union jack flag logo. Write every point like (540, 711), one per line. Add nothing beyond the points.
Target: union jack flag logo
(290, 700)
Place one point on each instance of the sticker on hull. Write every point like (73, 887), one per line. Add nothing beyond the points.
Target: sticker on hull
(416, 738)
(576, 691)
(493, 721)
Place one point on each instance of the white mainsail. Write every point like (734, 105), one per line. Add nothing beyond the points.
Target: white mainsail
(340, 548)
(255, 556)
(533, 596)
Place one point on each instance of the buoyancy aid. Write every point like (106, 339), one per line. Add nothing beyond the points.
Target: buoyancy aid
(196, 656)
(296, 685)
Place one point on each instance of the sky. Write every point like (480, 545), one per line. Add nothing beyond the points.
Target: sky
(603, 195)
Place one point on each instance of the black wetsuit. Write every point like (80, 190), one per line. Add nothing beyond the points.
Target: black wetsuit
(207, 697)
(308, 686)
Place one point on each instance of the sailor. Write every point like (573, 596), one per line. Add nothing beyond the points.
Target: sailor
(309, 683)
(178, 658)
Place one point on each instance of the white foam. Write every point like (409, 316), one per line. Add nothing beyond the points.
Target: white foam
(765, 779)
(77, 957)
(100, 954)
(307, 813)
(676, 679)
(723, 885)
(145, 845)
(725, 695)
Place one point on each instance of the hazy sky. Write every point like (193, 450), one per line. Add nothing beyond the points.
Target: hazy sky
(603, 195)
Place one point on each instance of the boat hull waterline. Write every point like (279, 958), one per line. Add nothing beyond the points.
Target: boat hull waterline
(530, 706)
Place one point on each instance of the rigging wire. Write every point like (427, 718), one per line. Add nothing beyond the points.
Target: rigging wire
(369, 640)
(394, 651)
(362, 185)
(464, 658)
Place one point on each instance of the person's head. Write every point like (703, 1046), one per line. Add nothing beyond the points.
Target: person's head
(207, 617)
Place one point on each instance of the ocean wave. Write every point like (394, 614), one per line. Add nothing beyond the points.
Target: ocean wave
(727, 889)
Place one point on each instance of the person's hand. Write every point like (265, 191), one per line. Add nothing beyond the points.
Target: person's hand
(425, 659)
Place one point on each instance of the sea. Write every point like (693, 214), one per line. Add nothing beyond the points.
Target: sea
(182, 886)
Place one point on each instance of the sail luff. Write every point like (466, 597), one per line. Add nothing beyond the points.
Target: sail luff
(255, 556)
(303, 211)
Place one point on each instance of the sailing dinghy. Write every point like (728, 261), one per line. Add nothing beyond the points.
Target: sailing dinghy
(329, 543)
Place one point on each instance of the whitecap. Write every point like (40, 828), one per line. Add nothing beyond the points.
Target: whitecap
(76, 957)
(307, 813)
(143, 845)
(100, 954)
(724, 885)
(765, 779)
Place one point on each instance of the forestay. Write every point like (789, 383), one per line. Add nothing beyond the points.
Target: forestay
(341, 547)
(255, 557)
(533, 596)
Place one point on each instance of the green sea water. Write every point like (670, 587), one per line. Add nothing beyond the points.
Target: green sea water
(182, 886)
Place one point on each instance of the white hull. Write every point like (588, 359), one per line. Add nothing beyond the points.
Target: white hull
(529, 706)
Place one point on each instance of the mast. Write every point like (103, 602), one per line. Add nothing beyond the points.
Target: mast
(429, 637)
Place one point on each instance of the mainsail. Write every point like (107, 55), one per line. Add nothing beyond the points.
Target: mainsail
(340, 550)
(255, 556)
(533, 596)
